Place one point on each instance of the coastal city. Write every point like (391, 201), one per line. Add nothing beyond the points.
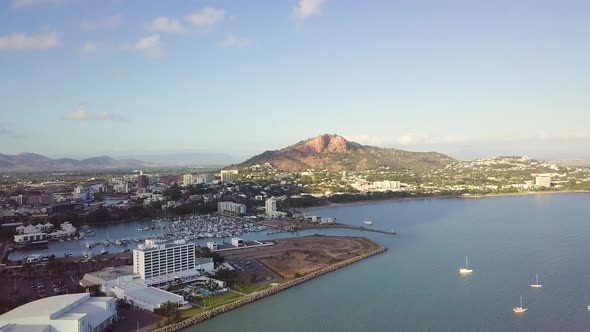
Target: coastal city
(200, 217)
(297, 165)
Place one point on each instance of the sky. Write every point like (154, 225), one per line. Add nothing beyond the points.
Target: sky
(134, 78)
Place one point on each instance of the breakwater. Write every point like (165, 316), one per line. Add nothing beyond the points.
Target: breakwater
(264, 293)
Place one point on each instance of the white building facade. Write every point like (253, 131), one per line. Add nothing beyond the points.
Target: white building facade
(159, 263)
(231, 208)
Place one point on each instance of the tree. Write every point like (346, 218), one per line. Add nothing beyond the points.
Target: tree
(94, 290)
(170, 311)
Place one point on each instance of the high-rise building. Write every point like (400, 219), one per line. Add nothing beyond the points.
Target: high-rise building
(160, 263)
(271, 207)
(231, 208)
(142, 181)
(228, 176)
(187, 179)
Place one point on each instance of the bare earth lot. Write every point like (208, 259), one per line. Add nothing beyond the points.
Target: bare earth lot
(289, 257)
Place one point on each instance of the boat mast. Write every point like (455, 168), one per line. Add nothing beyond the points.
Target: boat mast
(521, 301)
(466, 263)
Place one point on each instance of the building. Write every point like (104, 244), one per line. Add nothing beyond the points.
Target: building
(228, 176)
(205, 264)
(270, 207)
(146, 298)
(83, 194)
(543, 180)
(188, 179)
(237, 242)
(62, 313)
(106, 278)
(142, 181)
(158, 263)
(122, 283)
(231, 208)
(204, 178)
(40, 200)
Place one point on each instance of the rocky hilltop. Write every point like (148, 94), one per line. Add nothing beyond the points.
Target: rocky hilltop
(335, 153)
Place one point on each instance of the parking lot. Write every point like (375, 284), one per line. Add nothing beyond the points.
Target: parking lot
(247, 267)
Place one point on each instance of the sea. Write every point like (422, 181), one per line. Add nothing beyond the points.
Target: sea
(416, 285)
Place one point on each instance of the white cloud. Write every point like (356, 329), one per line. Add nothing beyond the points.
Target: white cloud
(232, 40)
(89, 47)
(21, 41)
(81, 114)
(206, 17)
(307, 8)
(103, 23)
(149, 45)
(35, 3)
(165, 24)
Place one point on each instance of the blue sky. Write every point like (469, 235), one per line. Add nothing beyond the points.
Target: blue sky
(125, 77)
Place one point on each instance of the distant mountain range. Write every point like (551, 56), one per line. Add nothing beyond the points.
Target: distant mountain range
(31, 162)
(335, 153)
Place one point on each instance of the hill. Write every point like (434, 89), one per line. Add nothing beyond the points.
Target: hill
(31, 162)
(335, 153)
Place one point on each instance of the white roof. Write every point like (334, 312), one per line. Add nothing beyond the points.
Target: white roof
(61, 307)
(152, 295)
(46, 307)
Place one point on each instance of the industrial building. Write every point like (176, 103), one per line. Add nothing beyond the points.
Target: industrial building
(62, 313)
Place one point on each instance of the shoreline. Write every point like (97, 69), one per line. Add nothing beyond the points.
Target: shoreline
(250, 298)
(395, 199)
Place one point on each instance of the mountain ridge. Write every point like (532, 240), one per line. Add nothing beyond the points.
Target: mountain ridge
(32, 162)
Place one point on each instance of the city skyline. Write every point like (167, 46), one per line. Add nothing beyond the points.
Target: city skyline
(127, 79)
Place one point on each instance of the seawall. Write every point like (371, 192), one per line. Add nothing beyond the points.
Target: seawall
(264, 293)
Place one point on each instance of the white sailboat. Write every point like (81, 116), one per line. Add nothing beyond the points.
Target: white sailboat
(521, 309)
(536, 284)
(466, 269)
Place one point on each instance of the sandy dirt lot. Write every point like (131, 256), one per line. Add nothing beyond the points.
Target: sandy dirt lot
(289, 257)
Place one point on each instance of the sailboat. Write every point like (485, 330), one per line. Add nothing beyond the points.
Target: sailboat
(521, 309)
(466, 269)
(536, 284)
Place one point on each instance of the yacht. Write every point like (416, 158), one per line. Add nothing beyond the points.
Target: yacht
(466, 269)
(368, 222)
(536, 284)
(521, 309)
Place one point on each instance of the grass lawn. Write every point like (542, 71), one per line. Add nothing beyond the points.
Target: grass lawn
(212, 302)
(215, 301)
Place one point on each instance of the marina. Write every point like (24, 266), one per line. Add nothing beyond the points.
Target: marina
(117, 238)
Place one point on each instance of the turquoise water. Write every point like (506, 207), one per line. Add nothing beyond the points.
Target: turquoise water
(416, 286)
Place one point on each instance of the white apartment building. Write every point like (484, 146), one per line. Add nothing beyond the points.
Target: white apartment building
(543, 180)
(228, 176)
(158, 263)
(271, 206)
(231, 208)
(187, 179)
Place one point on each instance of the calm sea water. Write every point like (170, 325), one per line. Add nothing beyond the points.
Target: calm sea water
(415, 286)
